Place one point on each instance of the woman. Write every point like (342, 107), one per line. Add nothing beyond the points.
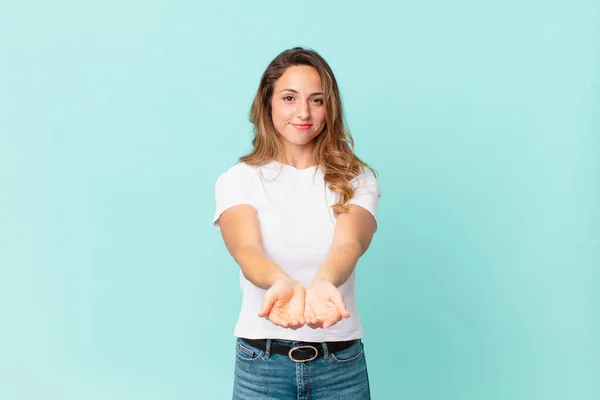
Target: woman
(296, 214)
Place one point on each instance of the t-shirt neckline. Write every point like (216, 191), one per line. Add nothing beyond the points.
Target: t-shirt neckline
(277, 164)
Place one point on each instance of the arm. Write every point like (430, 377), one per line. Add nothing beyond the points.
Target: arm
(351, 239)
(283, 303)
(241, 233)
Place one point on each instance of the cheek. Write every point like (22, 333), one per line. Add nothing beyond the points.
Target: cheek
(319, 115)
(281, 114)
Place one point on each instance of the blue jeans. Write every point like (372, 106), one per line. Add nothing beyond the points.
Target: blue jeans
(260, 374)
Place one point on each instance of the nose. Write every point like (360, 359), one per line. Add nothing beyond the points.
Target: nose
(303, 110)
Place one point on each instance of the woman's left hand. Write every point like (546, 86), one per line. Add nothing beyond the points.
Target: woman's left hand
(324, 305)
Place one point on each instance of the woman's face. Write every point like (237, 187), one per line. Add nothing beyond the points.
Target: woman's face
(297, 106)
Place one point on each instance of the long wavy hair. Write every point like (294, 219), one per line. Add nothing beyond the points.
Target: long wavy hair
(334, 146)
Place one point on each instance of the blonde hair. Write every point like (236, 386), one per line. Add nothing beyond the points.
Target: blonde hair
(334, 146)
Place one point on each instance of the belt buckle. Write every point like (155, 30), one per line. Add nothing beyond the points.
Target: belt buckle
(301, 347)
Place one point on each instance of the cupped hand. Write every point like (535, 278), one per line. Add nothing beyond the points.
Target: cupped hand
(324, 305)
(283, 304)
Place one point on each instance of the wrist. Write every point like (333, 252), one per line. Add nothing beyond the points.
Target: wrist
(284, 278)
(319, 280)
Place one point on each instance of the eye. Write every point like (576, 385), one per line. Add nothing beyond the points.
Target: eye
(319, 100)
(288, 98)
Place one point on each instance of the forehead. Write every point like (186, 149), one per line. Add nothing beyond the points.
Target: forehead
(299, 77)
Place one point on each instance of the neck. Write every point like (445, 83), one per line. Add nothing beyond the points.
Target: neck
(298, 157)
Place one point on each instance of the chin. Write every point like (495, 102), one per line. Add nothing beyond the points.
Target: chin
(305, 140)
(299, 139)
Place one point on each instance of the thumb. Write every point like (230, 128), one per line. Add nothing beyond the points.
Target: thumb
(267, 304)
(339, 304)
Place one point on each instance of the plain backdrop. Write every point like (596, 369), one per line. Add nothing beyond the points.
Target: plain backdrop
(483, 119)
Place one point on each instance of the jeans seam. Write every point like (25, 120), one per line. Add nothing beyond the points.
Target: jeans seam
(351, 360)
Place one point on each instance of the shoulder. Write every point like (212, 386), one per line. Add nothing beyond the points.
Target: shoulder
(240, 168)
(364, 173)
(238, 175)
(366, 180)
(238, 171)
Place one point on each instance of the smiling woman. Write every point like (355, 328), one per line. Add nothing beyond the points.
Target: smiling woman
(298, 112)
(296, 214)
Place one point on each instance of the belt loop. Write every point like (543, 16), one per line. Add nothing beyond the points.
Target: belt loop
(325, 350)
(268, 349)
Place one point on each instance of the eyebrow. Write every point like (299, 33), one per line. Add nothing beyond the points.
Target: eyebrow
(295, 91)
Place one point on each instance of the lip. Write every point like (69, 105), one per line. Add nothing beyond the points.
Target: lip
(302, 127)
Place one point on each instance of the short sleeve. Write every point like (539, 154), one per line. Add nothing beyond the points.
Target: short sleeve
(366, 192)
(231, 189)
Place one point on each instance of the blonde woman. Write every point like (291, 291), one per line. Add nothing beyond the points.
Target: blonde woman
(296, 214)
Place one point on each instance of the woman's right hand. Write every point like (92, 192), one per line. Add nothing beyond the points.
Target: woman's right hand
(283, 304)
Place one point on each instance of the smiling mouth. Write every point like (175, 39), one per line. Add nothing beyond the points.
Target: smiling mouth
(302, 127)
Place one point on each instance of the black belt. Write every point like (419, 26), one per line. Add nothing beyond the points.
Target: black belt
(305, 352)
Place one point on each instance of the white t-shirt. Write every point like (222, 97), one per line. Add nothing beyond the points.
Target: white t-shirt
(297, 224)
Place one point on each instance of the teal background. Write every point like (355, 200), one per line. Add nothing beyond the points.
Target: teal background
(482, 118)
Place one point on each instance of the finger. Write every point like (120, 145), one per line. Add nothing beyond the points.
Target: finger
(278, 321)
(298, 322)
(293, 323)
(316, 322)
(314, 325)
(309, 317)
(311, 325)
(297, 308)
(338, 300)
(297, 318)
(281, 321)
(330, 322)
(268, 301)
